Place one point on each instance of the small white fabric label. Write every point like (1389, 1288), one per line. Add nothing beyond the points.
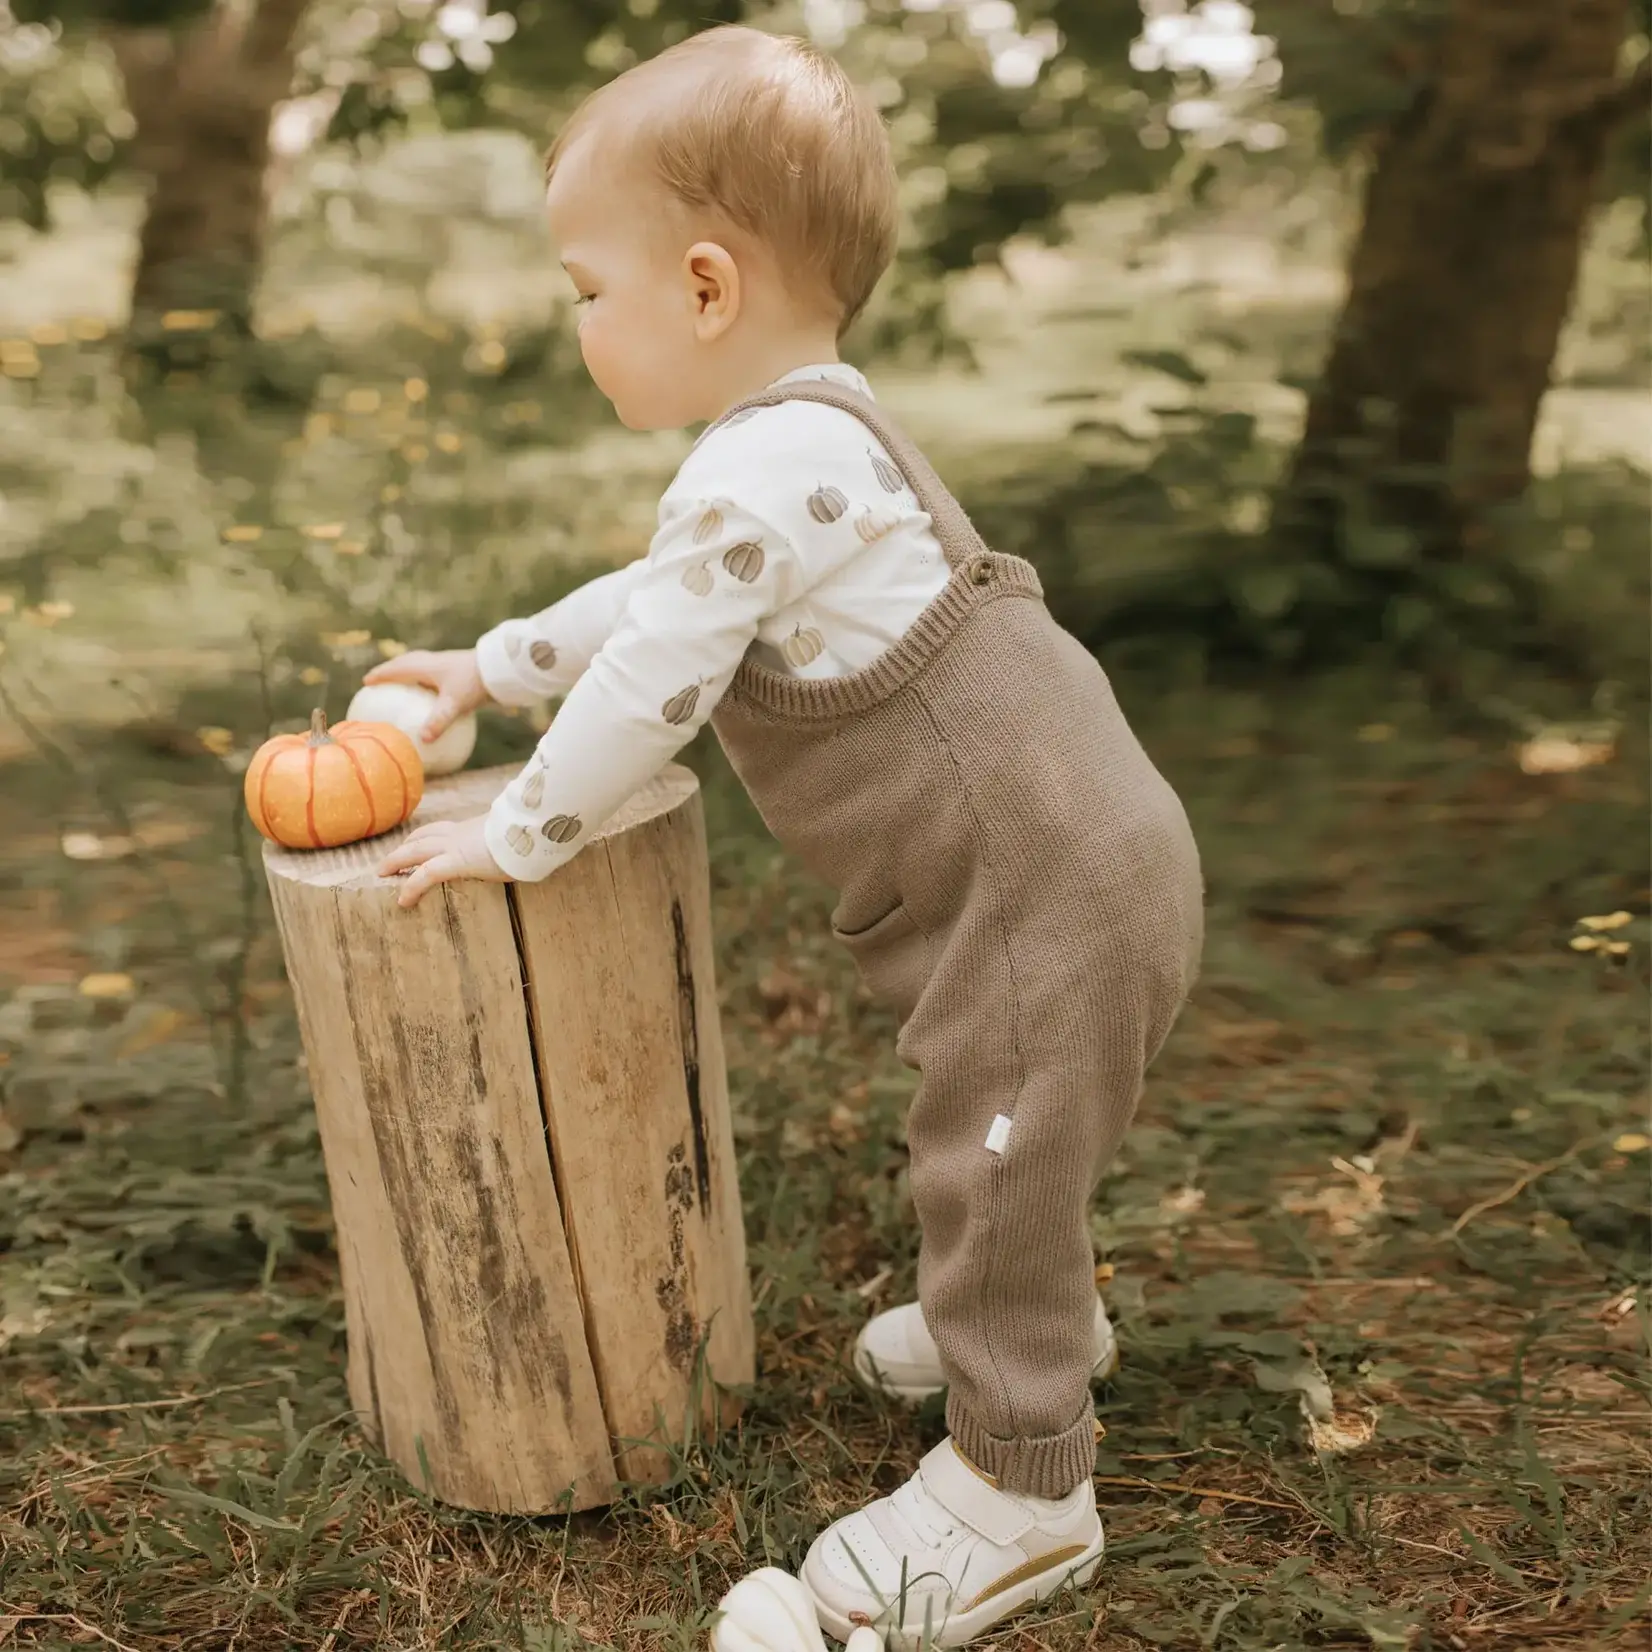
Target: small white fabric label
(998, 1135)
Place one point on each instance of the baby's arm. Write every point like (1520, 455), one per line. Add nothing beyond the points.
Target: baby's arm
(540, 658)
(691, 609)
(710, 578)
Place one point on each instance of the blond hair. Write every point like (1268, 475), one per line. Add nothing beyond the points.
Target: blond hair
(767, 133)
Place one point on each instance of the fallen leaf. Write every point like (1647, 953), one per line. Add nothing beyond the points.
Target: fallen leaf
(311, 675)
(157, 1030)
(1558, 753)
(105, 986)
(1338, 1434)
(1349, 1204)
(390, 648)
(1619, 1308)
(346, 639)
(243, 533)
(1184, 1201)
(1612, 920)
(219, 741)
(325, 530)
(1631, 1141)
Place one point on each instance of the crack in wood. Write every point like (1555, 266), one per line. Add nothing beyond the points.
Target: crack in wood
(688, 1027)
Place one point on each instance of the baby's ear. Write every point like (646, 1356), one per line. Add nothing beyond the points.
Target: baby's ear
(714, 288)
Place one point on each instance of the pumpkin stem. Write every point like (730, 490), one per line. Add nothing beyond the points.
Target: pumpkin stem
(318, 728)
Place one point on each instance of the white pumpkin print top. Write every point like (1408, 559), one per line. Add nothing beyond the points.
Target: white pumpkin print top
(790, 530)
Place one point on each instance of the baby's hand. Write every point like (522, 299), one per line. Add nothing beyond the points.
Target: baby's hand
(439, 853)
(452, 673)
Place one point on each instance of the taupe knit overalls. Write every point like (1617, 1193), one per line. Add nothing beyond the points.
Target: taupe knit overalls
(1021, 885)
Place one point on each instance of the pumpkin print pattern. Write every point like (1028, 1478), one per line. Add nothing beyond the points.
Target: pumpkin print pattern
(827, 504)
(871, 525)
(744, 561)
(680, 707)
(718, 579)
(889, 479)
(802, 647)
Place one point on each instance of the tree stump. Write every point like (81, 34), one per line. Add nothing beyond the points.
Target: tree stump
(524, 1112)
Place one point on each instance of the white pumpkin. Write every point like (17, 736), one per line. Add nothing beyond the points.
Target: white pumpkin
(770, 1611)
(406, 706)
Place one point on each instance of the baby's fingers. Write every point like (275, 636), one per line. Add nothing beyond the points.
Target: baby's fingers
(441, 868)
(418, 666)
(444, 712)
(413, 850)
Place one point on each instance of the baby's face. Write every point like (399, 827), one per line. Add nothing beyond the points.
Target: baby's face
(637, 306)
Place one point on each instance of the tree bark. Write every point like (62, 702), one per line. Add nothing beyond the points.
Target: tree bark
(1458, 285)
(201, 101)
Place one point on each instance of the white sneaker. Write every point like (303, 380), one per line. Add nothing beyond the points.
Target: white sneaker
(896, 1354)
(948, 1556)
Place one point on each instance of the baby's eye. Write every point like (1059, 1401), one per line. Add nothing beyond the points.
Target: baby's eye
(584, 298)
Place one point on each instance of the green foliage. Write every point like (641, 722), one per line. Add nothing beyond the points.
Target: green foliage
(60, 122)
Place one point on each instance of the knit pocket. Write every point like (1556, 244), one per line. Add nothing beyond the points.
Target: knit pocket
(892, 955)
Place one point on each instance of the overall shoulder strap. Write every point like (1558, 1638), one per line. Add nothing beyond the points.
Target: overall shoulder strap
(953, 528)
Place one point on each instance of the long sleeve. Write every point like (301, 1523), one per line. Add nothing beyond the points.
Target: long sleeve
(540, 658)
(692, 608)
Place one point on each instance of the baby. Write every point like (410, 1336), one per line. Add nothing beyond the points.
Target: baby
(1015, 878)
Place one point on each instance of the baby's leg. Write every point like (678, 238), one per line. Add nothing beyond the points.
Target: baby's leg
(1006, 1272)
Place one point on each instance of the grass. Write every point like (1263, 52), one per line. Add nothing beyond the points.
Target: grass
(1392, 1150)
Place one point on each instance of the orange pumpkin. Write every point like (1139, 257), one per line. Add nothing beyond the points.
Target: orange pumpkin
(333, 786)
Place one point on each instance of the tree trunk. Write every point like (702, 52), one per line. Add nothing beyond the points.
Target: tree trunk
(201, 101)
(1459, 283)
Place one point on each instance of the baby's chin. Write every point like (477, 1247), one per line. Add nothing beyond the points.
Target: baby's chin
(646, 417)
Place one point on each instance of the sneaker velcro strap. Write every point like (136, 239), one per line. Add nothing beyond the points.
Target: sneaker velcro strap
(969, 1498)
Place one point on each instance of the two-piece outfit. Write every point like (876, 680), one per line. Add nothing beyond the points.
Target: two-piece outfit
(1015, 877)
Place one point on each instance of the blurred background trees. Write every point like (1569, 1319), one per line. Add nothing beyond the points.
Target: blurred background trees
(1473, 140)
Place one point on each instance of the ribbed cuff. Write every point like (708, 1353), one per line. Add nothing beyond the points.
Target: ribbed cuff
(1049, 1466)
